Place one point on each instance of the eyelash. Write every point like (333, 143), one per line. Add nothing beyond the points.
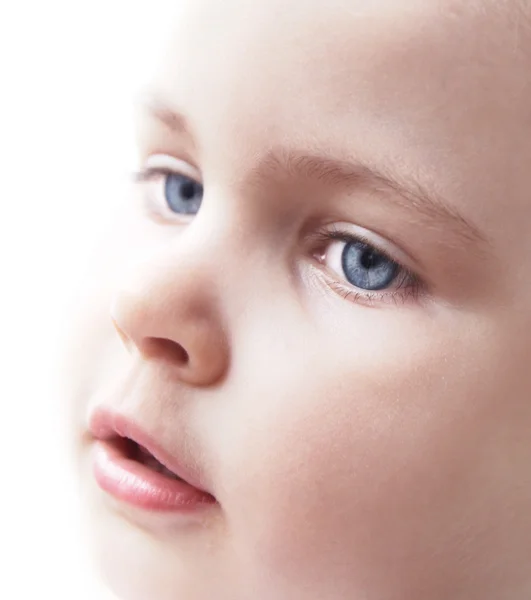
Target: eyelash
(149, 173)
(410, 287)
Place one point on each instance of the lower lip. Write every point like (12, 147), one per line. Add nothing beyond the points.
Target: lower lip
(134, 483)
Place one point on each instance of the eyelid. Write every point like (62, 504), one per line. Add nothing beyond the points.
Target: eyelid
(344, 230)
(414, 291)
(172, 164)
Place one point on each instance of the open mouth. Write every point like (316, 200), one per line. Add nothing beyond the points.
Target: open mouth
(131, 465)
(134, 451)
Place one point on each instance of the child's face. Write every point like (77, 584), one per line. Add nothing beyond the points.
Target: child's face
(338, 342)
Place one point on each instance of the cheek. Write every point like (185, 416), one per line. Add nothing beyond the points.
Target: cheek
(360, 462)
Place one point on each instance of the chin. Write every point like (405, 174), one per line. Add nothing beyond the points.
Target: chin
(142, 557)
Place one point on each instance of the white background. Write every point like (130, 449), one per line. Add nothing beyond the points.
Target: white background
(68, 73)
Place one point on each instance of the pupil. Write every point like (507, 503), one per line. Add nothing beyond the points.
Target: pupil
(370, 259)
(188, 190)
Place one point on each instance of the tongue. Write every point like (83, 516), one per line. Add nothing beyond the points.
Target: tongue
(147, 459)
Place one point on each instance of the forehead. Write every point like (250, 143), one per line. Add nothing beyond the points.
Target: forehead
(422, 84)
(346, 53)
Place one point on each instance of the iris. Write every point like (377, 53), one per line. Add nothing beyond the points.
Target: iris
(366, 268)
(183, 194)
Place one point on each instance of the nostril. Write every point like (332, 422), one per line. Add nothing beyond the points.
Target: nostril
(167, 349)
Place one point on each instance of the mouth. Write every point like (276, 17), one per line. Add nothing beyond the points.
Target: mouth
(135, 452)
(129, 465)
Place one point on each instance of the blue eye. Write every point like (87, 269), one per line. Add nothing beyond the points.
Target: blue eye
(182, 194)
(170, 190)
(365, 271)
(366, 268)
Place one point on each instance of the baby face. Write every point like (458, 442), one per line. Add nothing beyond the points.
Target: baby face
(317, 301)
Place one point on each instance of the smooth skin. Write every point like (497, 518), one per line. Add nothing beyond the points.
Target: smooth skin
(362, 445)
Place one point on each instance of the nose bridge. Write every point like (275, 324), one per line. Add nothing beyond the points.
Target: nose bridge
(168, 307)
(177, 266)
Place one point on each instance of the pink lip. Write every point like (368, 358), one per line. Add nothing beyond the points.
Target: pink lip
(133, 482)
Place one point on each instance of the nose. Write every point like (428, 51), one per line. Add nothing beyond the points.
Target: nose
(168, 311)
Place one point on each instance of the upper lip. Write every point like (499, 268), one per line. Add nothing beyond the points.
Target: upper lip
(106, 425)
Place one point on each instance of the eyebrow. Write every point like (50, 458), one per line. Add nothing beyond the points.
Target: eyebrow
(158, 109)
(408, 193)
